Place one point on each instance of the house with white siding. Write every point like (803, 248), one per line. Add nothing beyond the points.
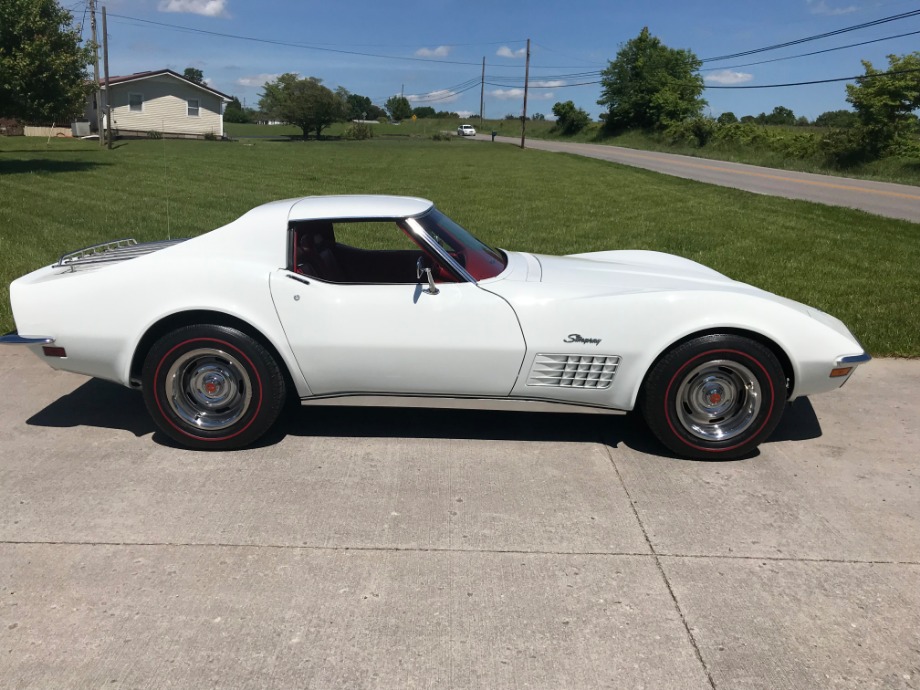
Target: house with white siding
(161, 101)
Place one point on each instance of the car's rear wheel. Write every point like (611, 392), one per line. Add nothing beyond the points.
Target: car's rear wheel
(714, 397)
(212, 387)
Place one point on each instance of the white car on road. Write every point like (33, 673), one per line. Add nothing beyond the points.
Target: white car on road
(309, 297)
(466, 131)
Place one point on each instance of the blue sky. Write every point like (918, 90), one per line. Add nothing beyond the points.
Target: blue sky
(567, 40)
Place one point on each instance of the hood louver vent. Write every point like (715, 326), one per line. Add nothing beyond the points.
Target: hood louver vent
(573, 371)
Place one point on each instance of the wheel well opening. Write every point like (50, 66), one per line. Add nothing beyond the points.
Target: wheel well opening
(777, 351)
(193, 318)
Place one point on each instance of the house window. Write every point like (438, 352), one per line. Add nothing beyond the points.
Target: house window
(136, 102)
(193, 107)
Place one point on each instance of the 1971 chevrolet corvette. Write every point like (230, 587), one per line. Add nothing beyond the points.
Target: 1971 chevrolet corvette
(297, 295)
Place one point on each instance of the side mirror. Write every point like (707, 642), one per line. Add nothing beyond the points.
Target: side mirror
(423, 269)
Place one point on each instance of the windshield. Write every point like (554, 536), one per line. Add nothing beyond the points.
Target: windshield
(479, 259)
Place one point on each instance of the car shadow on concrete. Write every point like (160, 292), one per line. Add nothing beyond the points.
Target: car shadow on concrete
(100, 404)
(106, 405)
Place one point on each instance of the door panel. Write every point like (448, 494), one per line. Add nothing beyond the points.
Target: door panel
(398, 338)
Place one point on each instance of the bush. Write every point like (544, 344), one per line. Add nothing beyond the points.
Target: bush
(569, 119)
(696, 131)
(441, 136)
(153, 134)
(796, 145)
(743, 133)
(845, 148)
(210, 136)
(358, 131)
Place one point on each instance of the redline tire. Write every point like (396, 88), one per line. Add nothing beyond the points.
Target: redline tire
(714, 397)
(212, 387)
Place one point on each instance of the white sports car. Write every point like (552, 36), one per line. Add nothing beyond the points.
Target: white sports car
(298, 297)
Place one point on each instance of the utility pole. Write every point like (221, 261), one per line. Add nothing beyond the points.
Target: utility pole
(97, 92)
(526, 85)
(105, 62)
(482, 92)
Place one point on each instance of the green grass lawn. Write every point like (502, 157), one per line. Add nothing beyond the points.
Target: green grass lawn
(64, 194)
(423, 128)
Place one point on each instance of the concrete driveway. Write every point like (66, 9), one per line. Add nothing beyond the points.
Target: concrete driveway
(406, 549)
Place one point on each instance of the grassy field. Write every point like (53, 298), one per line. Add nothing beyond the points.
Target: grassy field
(423, 128)
(901, 170)
(60, 195)
(904, 171)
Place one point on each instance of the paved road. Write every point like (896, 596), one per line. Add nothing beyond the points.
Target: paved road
(881, 198)
(388, 549)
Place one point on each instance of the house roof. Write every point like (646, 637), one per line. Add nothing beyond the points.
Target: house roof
(138, 76)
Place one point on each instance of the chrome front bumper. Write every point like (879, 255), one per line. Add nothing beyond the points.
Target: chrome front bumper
(853, 360)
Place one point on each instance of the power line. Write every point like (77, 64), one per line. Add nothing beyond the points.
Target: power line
(514, 81)
(443, 94)
(306, 46)
(815, 52)
(819, 81)
(855, 27)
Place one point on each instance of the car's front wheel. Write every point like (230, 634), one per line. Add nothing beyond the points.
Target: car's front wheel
(212, 387)
(714, 397)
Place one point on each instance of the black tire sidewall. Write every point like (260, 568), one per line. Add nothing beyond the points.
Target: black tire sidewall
(659, 404)
(265, 379)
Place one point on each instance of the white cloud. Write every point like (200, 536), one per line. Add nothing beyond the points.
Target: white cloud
(257, 79)
(433, 97)
(548, 84)
(506, 52)
(208, 8)
(727, 76)
(506, 94)
(466, 114)
(440, 51)
(821, 7)
(512, 94)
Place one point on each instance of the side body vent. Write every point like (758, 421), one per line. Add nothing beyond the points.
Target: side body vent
(573, 371)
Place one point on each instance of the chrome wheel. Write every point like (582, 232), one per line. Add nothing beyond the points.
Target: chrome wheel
(718, 400)
(208, 389)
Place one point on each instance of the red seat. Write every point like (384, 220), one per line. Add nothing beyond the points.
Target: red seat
(316, 253)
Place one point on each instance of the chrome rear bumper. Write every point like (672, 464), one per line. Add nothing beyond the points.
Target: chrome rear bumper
(13, 338)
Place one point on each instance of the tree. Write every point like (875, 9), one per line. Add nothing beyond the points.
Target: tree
(305, 103)
(748, 120)
(399, 108)
(234, 111)
(194, 75)
(42, 64)
(649, 85)
(423, 111)
(728, 118)
(886, 105)
(843, 119)
(781, 115)
(538, 117)
(569, 119)
(360, 108)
